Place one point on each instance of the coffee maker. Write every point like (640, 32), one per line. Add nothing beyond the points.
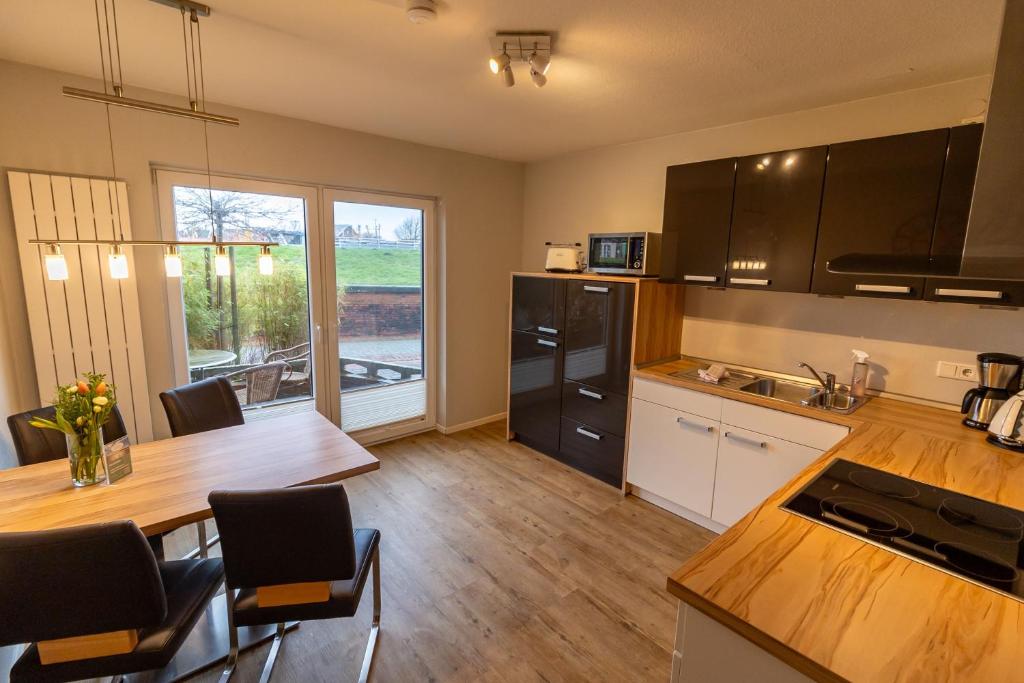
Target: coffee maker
(999, 378)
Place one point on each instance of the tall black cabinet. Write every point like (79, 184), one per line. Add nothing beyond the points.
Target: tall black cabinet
(572, 350)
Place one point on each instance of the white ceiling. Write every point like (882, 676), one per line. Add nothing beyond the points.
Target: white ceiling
(621, 71)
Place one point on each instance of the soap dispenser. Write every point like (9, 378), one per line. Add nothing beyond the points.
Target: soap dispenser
(859, 377)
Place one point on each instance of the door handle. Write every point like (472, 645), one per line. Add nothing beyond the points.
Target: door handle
(597, 290)
(591, 394)
(547, 330)
(686, 423)
(548, 342)
(743, 439)
(749, 281)
(969, 293)
(587, 433)
(883, 289)
(701, 278)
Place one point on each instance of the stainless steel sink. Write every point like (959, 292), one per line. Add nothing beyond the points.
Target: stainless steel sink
(840, 402)
(792, 392)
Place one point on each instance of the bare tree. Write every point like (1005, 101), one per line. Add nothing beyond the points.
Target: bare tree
(238, 211)
(410, 229)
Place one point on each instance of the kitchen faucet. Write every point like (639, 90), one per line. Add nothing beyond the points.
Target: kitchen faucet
(828, 384)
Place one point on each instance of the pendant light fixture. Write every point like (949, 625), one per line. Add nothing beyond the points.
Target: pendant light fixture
(172, 261)
(113, 94)
(56, 264)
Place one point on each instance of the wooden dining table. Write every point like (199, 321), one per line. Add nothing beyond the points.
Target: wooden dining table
(168, 489)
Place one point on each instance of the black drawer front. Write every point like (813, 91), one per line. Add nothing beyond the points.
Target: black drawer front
(594, 406)
(593, 451)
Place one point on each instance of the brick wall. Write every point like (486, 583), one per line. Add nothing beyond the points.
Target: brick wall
(380, 310)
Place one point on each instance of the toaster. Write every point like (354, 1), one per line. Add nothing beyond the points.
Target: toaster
(563, 258)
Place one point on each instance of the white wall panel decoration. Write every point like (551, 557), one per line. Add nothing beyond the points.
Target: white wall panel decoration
(89, 322)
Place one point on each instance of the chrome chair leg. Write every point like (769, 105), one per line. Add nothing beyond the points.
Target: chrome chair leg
(202, 548)
(275, 648)
(232, 661)
(371, 645)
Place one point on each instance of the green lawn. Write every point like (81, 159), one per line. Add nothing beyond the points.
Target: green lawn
(355, 266)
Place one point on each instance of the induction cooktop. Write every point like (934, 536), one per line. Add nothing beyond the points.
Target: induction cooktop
(968, 537)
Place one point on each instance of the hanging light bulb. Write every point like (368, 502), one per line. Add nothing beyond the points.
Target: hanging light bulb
(56, 266)
(266, 261)
(221, 262)
(172, 261)
(118, 263)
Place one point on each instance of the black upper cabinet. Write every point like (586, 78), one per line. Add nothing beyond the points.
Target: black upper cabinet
(775, 219)
(698, 211)
(538, 305)
(951, 227)
(598, 336)
(880, 197)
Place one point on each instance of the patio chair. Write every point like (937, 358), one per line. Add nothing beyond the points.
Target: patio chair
(299, 352)
(262, 382)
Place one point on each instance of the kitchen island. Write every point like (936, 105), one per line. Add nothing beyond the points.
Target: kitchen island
(835, 608)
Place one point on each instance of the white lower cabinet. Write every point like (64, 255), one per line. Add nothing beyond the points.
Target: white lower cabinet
(752, 466)
(720, 469)
(676, 455)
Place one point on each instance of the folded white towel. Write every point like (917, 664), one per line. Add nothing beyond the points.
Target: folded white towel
(713, 373)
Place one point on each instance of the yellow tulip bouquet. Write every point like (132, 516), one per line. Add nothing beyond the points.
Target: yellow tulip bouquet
(82, 409)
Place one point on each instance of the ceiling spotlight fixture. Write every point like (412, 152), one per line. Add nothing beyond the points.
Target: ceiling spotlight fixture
(514, 47)
(421, 11)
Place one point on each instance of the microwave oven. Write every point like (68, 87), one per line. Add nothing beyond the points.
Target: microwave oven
(624, 253)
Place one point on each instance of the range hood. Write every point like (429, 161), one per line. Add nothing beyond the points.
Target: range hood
(994, 247)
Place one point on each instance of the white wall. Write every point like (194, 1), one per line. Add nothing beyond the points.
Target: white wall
(622, 188)
(480, 214)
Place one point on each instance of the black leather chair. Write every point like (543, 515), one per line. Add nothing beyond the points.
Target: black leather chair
(33, 445)
(201, 406)
(294, 536)
(93, 579)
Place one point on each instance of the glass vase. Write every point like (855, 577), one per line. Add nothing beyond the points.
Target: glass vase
(85, 454)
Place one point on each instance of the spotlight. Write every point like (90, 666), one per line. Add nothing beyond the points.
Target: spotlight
(508, 77)
(538, 78)
(499, 63)
(540, 63)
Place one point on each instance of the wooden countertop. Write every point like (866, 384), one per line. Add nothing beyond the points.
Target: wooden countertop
(839, 609)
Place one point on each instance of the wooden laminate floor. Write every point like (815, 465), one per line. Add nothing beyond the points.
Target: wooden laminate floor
(499, 564)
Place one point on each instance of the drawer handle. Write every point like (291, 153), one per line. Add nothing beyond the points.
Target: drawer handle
(587, 433)
(548, 342)
(701, 278)
(749, 442)
(883, 289)
(591, 394)
(969, 293)
(686, 423)
(547, 330)
(749, 281)
(597, 290)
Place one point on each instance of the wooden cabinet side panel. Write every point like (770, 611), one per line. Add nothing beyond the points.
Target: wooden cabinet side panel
(658, 322)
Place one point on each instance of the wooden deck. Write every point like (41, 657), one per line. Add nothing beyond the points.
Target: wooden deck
(361, 408)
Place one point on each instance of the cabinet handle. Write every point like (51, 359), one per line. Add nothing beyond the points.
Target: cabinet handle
(883, 289)
(587, 433)
(548, 342)
(686, 423)
(547, 330)
(701, 278)
(743, 439)
(969, 293)
(591, 394)
(592, 288)
(749, 281)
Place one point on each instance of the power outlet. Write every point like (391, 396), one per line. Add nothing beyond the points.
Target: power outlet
(961, 371)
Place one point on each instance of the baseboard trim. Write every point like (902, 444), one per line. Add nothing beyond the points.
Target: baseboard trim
(451, 429)
(678, 510)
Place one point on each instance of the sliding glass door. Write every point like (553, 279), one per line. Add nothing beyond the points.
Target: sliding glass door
(382, 278)
(342, 324)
